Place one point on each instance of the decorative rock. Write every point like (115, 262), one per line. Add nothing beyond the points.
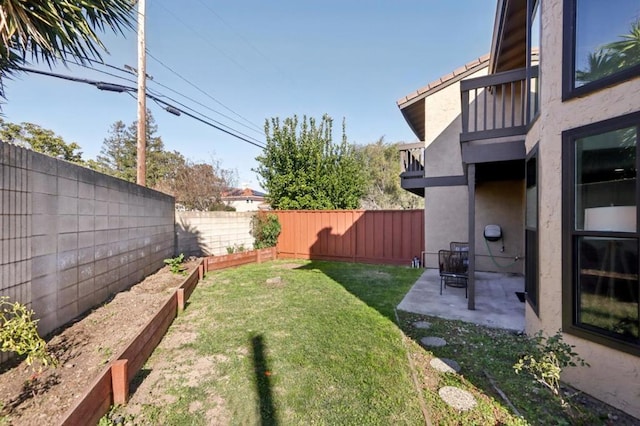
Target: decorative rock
(275, 282)
(445, 365)
(422, 324)
(435, 342)
(457, 398)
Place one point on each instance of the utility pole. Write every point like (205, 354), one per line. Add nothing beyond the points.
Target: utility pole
(141, 170)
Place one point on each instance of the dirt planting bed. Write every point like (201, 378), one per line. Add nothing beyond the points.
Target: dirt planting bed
(83, 349)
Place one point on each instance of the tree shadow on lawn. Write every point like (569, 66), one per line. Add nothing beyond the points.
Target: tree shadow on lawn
(381, 287)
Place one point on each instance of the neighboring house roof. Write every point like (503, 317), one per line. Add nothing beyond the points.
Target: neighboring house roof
(242, 193)
(413, 109)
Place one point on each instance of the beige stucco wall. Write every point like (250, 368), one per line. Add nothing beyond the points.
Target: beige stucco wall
(442, 131)
(613, 376)
(446, 211)
(500, 203)
(446, 208)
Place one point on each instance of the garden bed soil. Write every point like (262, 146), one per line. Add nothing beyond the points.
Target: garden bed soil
(83, 349)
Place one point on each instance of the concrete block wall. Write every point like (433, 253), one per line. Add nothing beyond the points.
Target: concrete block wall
(71, 237)
(210, 233)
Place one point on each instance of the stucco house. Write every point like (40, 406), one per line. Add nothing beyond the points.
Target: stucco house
(245, 199)
(540, 137)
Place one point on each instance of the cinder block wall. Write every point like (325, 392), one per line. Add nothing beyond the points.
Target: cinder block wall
(71, 237)
(210, 233)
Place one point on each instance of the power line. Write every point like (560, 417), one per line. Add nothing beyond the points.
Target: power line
(245, 40)
(200, 90)
(103, 72)
(102, 85)
(161, 95)
(203, 115)
(205, 39)
(206, 106)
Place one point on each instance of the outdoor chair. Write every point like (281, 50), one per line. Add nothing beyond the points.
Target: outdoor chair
(464, 249)
(453, 267)
(457, 246)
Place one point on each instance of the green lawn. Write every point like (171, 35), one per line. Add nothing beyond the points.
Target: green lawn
(298, 343)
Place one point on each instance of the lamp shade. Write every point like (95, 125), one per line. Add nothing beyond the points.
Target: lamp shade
(613, 218)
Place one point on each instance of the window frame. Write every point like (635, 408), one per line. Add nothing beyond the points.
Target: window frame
(535, 301)
(569, 234)
(569, 59)
(532, 7)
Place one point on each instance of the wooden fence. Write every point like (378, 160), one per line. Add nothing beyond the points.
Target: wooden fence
(363, 236)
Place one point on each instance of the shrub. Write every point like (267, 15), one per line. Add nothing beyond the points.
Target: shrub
(548, 358)
(265, 230)
(19, 334)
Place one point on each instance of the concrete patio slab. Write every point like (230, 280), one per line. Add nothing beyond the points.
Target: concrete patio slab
(496, 302)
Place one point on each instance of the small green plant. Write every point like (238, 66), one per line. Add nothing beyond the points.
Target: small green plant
(113, 417)
(265, 228)
(19, 334)
(550, 355)
(239, 248)
(236, 248)
(175, 264)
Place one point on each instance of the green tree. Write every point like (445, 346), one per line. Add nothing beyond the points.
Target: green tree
(56, 30)
(198, 186)
(41, 140)
(118, 155)
(380, 161)
(301, 168)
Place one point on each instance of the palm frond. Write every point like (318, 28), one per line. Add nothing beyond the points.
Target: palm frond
(52, 30)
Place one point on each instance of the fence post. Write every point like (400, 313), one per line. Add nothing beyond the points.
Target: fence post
(119, 382)
(180, 296)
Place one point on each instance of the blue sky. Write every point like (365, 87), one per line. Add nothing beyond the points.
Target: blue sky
(251, 60)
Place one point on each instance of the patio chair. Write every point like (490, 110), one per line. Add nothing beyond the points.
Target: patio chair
(463, 248)
(458, 246)
(453, 269)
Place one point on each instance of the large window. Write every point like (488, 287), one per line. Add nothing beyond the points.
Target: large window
(533, 59)
(601, 232)
(531, 229)
(601, 44)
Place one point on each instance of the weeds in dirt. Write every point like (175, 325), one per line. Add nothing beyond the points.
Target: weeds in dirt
(175, 264)
(19, 334)
(236, 248)
(114, 417)
(106, 352)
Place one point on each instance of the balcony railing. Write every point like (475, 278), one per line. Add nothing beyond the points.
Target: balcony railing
(498, 105)
(412, 159)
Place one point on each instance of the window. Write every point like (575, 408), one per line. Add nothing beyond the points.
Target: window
(601, 44)
(600, 246)
(531, 229)
(533, 59)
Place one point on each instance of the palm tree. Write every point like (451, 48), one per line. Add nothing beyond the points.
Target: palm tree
(601, 63)
(57, 30)
(612, 57)
(628, 48)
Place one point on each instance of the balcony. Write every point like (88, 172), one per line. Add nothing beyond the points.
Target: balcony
(412, 167)
(497, 111)
(499, 105)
